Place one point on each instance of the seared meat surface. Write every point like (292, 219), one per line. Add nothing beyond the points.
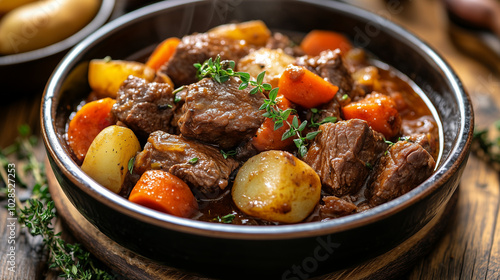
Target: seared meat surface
(401, 169)
(343, 155)
(197, 48)
(144, 107)
(201, 166)
(220, 114)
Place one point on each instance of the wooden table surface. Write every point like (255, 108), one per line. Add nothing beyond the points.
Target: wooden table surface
(470, 245)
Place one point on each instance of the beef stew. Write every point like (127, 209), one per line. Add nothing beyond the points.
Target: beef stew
(205, 128)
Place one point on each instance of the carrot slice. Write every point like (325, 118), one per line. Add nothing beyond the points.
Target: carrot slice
(317, 41)
(163, 52)
(164, 192)
(87, 123)
(305, 88)
(379, 111)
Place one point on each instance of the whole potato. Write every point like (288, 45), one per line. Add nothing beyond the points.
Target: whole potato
(108, 156)
(43, 23)
(276, 186)
(9, 5)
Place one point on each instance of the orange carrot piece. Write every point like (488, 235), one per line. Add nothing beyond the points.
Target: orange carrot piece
(305, 88)
(87, 123)
(266, 138)
(317, 41)
(163, 52)
(164, 192)
(379, 111)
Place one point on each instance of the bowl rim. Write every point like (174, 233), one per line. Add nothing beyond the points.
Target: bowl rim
(102, 16)
(72, 171)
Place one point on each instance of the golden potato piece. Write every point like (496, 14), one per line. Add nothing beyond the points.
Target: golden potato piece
(108, 156)
(274, 62)
(253, 32)
(276, 186)
(106, 76)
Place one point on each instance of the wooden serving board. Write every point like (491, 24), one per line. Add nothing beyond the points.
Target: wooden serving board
(393, 264)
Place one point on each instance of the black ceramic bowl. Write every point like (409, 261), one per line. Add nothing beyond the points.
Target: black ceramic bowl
(37, 65)
(209, 247)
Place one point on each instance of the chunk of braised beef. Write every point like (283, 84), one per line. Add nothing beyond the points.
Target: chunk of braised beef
(423, 124)
(179, 99)
(335, 207)
(201, 166)
(422, 130)
(343, 155)
(198, 48)
(245, 151)
(281, 41)
(144, 107)
(331, 66)
(220, 114)
(400, 170)
(427, 140)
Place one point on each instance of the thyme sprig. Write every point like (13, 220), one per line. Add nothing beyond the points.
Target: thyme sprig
(216, 69)
(226, 219)
(221, 71)
(38, 212)
(314, 116)
(486, 144)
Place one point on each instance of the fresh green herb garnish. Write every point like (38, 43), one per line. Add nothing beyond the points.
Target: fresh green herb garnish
(218, 70)
(37, 213)
(259, 85)
(227, 154)
(177, 99)
(486, 144)
(73, 261)
(227, 219)
(221, 71)
(130, 165)
(193, 160)
(280, 117)
(329, 119)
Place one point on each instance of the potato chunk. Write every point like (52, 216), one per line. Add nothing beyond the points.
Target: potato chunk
(254, 32)
(276, 186)
(108, 156)
(106, 76)
(273, 62)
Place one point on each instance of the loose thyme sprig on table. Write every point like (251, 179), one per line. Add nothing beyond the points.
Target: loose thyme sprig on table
(486, 144)
(38, 212)
(221, 71)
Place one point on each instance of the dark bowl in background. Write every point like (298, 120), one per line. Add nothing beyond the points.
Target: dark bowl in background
(210, 247)
(28, 72)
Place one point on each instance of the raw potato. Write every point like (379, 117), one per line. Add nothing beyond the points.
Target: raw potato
(9, 5)
(253, 32)
(276, 186)
(108, 156)
(274, 62)
(43, 23)
(106, 76)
